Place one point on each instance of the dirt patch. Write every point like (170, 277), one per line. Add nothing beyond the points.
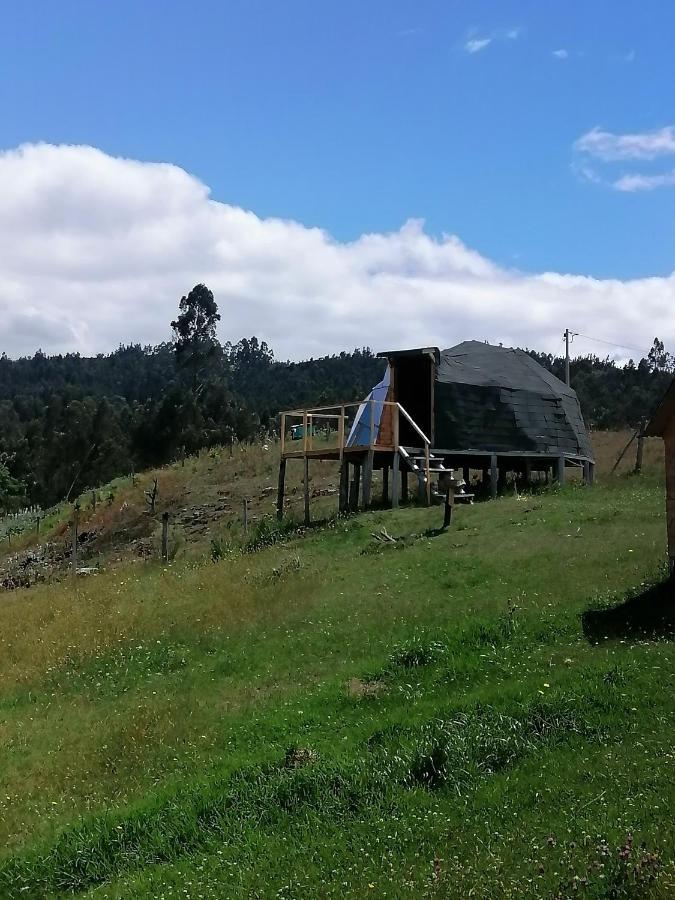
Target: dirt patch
(358, 688)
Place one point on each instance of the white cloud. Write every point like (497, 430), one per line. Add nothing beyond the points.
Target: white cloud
(561, 53)
(98, 251)
(475, 44)
(609, 147)
(630, 56)
(638, 182)
(598, 149)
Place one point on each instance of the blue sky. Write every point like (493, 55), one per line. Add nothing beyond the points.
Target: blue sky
(357, 116)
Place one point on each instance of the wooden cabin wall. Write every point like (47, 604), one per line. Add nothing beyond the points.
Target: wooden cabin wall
(386, 434)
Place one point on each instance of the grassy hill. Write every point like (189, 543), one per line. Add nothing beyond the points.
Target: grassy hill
(482, 712)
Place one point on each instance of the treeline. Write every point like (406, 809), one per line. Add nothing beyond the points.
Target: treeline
(613, 396)
(71, 422)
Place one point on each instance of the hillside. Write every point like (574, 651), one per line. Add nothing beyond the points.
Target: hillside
(479, 712)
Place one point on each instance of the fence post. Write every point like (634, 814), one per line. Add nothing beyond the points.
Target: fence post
(165, 536)
(75, 522)
(640, 447)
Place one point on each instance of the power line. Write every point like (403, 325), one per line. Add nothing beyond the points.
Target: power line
(610, 343)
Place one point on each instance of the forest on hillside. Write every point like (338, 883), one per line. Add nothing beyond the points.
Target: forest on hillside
(70, 422)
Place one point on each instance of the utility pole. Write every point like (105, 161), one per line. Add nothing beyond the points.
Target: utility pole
(567, 356)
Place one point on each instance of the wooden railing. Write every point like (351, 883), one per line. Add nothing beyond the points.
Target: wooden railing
(339, 414)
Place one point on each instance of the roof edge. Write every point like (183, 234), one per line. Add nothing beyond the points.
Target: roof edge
(416, 351)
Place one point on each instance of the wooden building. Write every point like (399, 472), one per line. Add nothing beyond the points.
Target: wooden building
(474, 407)
(663, 425)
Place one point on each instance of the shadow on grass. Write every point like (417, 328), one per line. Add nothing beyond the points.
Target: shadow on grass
(650, 614)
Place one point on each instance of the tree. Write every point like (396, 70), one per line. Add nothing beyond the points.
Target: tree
(659, 359)
(195, 342)
(12, 491)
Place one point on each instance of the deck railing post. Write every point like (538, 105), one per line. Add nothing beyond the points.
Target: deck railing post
(397, 422)
(283, 433)
(427, 467)
(371, 442)
(341, 433)
(304, 432)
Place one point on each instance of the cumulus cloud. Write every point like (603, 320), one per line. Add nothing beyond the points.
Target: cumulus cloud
(561, 53)
(97, 251)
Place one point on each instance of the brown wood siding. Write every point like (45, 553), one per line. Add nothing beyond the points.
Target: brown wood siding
(669, 438)
(385, 437)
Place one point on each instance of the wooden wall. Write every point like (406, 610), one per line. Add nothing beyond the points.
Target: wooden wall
(669, 438)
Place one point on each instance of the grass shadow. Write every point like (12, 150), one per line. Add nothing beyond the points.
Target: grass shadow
(649, 614)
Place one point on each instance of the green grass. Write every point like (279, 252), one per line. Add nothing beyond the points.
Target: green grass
(324, 715)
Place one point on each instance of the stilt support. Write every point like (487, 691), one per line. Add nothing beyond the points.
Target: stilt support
(343, 499)
(404, 484)
(354, 488)
(280, 489)
(494, 475)
(306, 479)
(368, 479)
(561, 470)
(395, 479)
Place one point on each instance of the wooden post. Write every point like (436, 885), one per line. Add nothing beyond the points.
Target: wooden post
(368, 478)
(385, 483)
(561, 469)
(585, 472)
(466, 475)
(427, 473)
(501, 479)
(343, 500)
(74, 525)
(282, 434)
(354, 488)
(307, 518)
(591, 474)
(494, 475)
(37, 525)
(395, 479)
(281, 487)
(245, 513)
(640, 447)
(341, 433)
(304, 432)
(404, 485)
(165, 536)
(449, 503)
(93, 500)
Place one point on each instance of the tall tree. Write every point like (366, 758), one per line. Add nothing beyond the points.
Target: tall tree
(195, 341)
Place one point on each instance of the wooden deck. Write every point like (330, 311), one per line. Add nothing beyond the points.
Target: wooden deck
(326, 433)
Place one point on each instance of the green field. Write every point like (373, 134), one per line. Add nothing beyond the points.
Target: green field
(452, 715)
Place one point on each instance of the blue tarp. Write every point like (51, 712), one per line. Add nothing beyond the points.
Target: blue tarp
(360, 436)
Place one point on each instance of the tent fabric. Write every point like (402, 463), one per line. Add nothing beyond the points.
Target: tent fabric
(359, 435)
(498, 399)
